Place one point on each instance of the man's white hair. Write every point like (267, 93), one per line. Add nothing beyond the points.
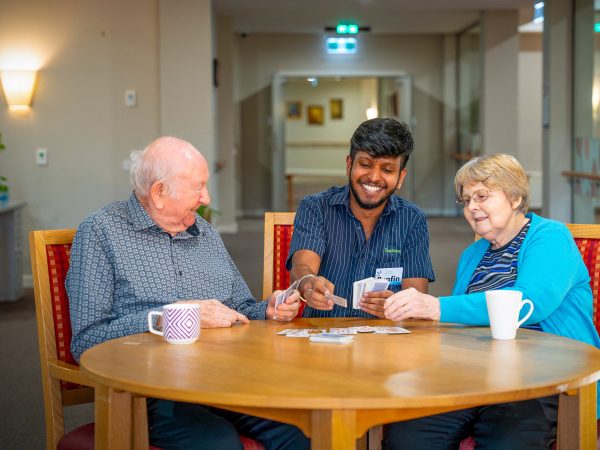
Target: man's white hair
(146, 171)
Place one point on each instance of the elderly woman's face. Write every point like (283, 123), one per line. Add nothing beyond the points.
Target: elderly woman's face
(489, 217)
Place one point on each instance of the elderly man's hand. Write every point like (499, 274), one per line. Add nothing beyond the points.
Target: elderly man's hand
(285, 311)
(410, 303)
(314, 290)
(372, 302)
(214, 314)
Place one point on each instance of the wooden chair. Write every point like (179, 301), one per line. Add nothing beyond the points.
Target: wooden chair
(279, 228)
(278, 236)
(587, 239)
(63, 384)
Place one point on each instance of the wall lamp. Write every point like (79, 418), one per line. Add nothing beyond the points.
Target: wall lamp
(18, 87)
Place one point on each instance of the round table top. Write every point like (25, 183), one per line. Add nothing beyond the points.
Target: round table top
(435, 365)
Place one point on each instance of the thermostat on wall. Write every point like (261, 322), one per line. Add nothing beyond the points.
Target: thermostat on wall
(130, 98)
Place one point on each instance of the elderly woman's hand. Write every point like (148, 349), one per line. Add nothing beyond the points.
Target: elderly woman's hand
(411, 303)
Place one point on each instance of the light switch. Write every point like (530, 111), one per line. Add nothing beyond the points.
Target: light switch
(41, 157)
(130, 98)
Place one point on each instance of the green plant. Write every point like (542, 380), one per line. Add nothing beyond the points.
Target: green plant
(206, 212)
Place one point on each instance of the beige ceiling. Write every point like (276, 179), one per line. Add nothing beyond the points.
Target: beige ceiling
(383, 16)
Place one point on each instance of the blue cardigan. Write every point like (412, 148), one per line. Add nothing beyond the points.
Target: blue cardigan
(550, 273)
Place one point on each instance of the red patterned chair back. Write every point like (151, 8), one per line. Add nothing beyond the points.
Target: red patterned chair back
(587, 239)
(62, 382)
(278, 236)
(59, 256)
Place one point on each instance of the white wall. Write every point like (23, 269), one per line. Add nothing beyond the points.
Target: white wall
(89, 57)
(327, 145)
(530, 112)
(89, 54)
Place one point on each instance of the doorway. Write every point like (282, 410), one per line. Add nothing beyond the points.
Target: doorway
(314, 117)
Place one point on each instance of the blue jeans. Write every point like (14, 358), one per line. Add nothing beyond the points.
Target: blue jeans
(525, 425)
(188, 426)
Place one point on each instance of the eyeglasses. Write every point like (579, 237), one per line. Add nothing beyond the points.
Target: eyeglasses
(479, 196)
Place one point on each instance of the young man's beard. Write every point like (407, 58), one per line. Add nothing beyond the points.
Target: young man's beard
(364, 205)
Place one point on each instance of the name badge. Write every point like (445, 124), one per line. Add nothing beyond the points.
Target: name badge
(392, 274)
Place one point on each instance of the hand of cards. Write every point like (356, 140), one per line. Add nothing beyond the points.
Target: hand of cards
(367, 285)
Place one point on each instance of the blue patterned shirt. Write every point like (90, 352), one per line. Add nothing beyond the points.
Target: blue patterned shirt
(326, 225)
(123, 265)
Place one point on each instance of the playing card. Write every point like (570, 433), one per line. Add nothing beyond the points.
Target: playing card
(286, 331)
(391, 330)
(379, 284)
(342, 331)
(304, 332)
(337, 300)
(365, 329)
(283, 295)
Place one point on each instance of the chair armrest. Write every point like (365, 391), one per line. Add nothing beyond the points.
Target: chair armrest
(69, 372)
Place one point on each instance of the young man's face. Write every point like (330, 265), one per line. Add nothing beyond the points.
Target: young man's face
(373, 180)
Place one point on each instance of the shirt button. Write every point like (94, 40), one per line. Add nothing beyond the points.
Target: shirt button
(180, 273)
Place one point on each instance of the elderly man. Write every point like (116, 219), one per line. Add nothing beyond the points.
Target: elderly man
(135, 256)
(362, 230)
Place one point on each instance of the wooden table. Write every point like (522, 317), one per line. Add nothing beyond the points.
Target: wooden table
(334, 393)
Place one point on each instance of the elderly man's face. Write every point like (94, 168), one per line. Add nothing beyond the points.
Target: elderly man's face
(179, 204)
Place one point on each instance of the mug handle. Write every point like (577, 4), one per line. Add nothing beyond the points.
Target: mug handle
(150, 325)
(523, 303)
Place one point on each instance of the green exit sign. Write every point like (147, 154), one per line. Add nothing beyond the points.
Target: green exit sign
(347, 28)
(597, 27)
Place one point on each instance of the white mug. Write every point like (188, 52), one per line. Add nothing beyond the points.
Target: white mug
(180, 324)
(503, 309)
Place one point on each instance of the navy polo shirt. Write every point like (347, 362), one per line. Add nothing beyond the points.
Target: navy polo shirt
(325, 224)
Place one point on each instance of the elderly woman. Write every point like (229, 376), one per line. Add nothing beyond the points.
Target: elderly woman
(519, 251)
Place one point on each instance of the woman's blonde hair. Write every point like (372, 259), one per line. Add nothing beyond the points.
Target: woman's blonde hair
(497, 171)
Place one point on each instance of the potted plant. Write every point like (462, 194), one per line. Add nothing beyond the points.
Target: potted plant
(206, 212)
(3, 181)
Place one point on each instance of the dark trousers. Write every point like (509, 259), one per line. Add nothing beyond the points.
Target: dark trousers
(526, 425)
(187, 426)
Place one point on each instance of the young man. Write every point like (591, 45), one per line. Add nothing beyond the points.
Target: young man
(347, 233)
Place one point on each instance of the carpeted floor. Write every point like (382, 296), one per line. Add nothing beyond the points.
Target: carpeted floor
(21, 400)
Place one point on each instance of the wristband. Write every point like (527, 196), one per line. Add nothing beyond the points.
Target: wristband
(299, 282)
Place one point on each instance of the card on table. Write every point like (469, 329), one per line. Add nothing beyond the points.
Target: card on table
(391, 330)
(343, 331)
(331, 338)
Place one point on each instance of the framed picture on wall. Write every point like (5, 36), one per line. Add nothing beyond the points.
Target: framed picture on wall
(315, 114)
(293, 109)
(336, 108)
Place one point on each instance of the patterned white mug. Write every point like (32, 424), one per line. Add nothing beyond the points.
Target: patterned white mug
(181, 322)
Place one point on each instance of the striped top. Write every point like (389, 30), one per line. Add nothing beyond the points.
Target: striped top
(498, 268)
(325, 224)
